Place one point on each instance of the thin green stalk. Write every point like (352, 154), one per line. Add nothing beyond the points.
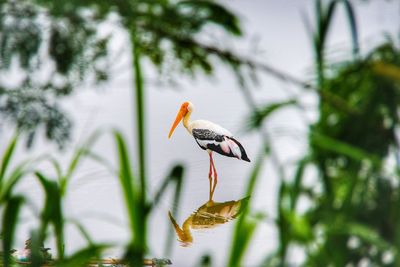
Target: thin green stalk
(135, 210)
(140, 102)
(245, 227)
(141, 142)
(7, 157)
(353, 27)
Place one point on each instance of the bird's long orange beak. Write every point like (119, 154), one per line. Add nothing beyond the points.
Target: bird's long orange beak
(182, 112)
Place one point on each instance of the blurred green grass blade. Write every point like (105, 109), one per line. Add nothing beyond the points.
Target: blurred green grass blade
(175, 176)
(79, 155)
(297, 182)
(83, 231)
(339, 147)
(52, 212)
(9, 225)
(36, 245)
(242, 240)
(327, 20)
(319, 13)
(324, 16)
(256, 119)
(353, 26)
(362, 231)
(282, 195)
(12, 179)
(137, 210)
(57, 167)
(7, 157)
(255, 173)
(297, 226)
(245, 227)
(83, 257)
(102, 161)
(127, 181)
(214, 13)
(140, 114)
(387, 70)
(282, 221)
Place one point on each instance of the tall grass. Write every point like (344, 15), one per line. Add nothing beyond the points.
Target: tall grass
(246, 224)
(55, 189)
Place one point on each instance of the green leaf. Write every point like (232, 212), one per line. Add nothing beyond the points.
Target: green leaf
(11, 181)
(353, 25)
(127, 180)
(7, 157)
(214, 13)
(364, 232)
(83, 231)
(299, 228)
(9, 224)
(296, 188)
(83, 257)
(175, 176)
(339, 147)
(52, 212)
(245, 226)
(136, 209)
(386, 69)
(82, 152)
(257, 118)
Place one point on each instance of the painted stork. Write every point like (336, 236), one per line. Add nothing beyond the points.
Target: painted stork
(210, 137)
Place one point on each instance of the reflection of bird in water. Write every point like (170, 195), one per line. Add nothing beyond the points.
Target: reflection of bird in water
(211, 137)
(209, 215)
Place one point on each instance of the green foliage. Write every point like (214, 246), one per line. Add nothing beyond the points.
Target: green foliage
(27, 30)
(246, 224)
(10, 204)
(52, 212)
(324, 12)
(256, 119)
(10, 177)
(162, 28)
(174, 177)
(8, 225)
(353, 211)
(83, 257)
(135, 208)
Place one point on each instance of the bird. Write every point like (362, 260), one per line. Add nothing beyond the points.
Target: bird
(209, 215)
(210, 137)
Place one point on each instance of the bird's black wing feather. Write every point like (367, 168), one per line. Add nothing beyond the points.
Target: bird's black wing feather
(204, 134)
(214, 138)
(207, 139)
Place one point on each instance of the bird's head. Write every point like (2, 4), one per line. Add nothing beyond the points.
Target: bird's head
(185, 108)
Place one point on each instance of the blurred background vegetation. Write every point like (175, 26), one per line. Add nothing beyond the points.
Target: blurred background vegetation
(352, 210)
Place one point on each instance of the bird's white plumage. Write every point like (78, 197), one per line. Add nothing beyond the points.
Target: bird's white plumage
(204, 124)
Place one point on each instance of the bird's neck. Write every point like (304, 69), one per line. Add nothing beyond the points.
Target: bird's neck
(186, 233)
(186, 120)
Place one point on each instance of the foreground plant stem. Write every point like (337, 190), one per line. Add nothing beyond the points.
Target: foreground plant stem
(140, 242)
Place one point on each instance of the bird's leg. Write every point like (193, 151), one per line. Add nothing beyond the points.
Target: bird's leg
(215, 177)
(210, 175)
